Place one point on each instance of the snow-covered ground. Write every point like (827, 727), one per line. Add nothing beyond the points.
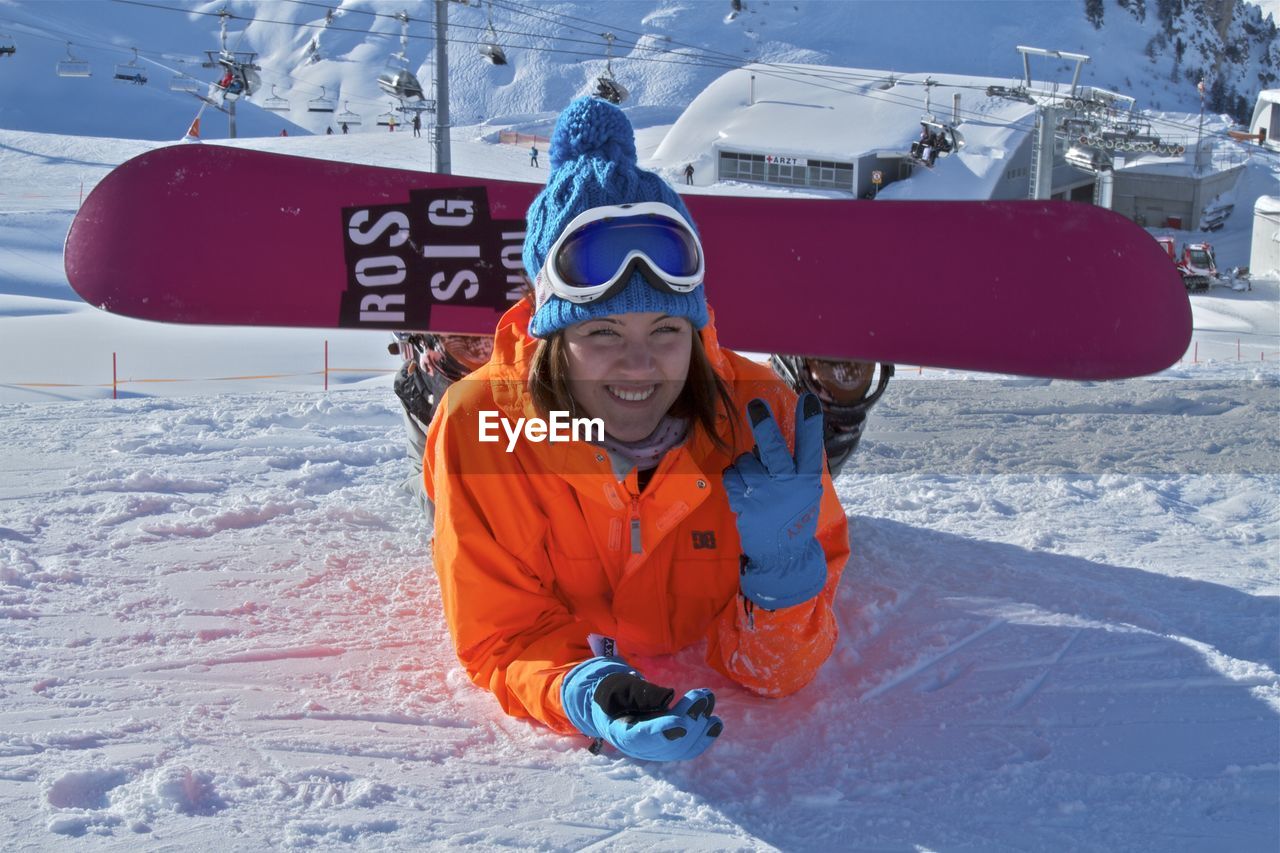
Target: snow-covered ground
(1060, 625)
(220, 625)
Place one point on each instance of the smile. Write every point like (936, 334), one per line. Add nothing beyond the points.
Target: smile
(632, 395)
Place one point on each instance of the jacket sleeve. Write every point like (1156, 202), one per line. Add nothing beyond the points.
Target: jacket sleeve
(775, 653)
(512, 634)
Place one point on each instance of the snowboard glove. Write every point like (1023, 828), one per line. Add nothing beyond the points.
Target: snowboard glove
(777, 498)
(607, 700)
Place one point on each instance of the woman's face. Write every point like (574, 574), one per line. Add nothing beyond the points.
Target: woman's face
(628, 369)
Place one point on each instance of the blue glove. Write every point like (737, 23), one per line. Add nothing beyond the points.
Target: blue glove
(608, 700)
(777, 498)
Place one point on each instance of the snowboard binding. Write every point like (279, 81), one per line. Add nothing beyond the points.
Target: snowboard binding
(431, 364)
(844, 389)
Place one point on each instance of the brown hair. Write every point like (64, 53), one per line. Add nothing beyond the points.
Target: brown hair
(704, 399)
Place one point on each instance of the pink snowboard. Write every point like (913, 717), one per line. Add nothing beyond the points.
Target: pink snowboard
(219, 235)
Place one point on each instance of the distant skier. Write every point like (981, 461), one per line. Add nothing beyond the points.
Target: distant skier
(284, 131)
(533, 156)
(417, 125)
(688, 174)
(344, 128)
(392, 124)
(532, 557)
(328, 131)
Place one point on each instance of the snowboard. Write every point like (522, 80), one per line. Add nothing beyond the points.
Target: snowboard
(212, 234)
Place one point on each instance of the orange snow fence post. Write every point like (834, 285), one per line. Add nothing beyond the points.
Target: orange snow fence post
(326, 365)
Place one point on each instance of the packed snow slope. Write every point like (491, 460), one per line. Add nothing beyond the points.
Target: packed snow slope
(221, 625)
(221, 629)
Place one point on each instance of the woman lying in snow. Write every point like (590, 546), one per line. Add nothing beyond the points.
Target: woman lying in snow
(680, 521)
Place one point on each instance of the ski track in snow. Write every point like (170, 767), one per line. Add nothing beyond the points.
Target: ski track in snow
(1059, 631)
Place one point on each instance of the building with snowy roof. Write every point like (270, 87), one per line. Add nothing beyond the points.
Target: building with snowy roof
(849, 131)
(1264, 251)
(1266, 118)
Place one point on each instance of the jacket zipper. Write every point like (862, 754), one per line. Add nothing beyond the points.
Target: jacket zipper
(635, 525)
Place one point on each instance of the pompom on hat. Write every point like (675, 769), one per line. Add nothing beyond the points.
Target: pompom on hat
(594, 164)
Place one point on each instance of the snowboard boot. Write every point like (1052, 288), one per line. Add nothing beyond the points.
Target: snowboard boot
(844, 389)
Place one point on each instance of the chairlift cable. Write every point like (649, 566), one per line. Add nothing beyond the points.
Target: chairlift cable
(730, 63)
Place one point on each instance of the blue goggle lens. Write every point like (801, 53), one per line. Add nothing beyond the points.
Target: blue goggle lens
(595, 253)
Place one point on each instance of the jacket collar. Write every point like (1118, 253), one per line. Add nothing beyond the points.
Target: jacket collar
(511, 363)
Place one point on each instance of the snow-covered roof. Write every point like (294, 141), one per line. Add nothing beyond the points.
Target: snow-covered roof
(825, 113)
(1266, 98)
(1267, 204)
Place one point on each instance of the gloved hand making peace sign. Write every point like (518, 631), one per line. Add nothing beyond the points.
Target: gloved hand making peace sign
(776, 497)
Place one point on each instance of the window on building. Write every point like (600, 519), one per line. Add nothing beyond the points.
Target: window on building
(752, 167)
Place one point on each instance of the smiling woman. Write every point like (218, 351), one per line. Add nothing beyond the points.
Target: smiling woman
(682, 523)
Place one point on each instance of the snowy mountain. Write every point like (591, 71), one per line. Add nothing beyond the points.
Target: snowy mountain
(666, 51)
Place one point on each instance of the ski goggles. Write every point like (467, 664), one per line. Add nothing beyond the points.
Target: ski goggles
(597, 252)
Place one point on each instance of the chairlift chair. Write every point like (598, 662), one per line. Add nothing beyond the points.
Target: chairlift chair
(385, 119)
(73, 67)
(7, 45)
(489, 47)
(322, 104)
(396, 79)
(493, 52)
(947, 140)
(239, 79)
(131, 71)
(182, 81)
(1088, 159)
(275, 103)
(610, 89)
(347, 117)
(607, 86)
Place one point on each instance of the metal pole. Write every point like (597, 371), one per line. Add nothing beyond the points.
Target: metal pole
(1200, 130)
(231, 119)
(1106, 186)
(444, 160)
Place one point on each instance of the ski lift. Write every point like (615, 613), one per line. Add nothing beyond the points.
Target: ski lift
(1088, 159)
(131, 71)
(72, 67)
(347, 117)
(322, 104)
(239, 71)
(182, 81)
(275, 103)
(607, 86)
(7, 45)
(396, 79)
(937, 139)
(489, 47)
(239, 78)
(388, 119)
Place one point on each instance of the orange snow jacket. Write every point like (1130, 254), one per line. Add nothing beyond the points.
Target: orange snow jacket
(539, 547)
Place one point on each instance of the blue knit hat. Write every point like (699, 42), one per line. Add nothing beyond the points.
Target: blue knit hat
(593, 164)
